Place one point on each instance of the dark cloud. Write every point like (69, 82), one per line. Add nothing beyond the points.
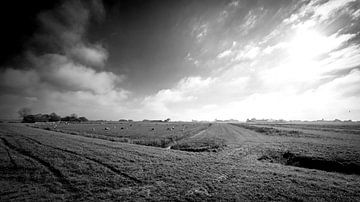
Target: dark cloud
(62, 65)
(17, 29)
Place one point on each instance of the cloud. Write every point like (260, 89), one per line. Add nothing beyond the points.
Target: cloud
(64, 26)
(356, 14)
(319, 10)
(67, 75)
(270, 49)
(345, 58)
(250, 21)
(58, 84)
(248, 53)
(18, 79)
(63, 30)
(234, 3)
(343, 86)
(189, 58)
(193, 83)
(327, 101)
(224, 54)
(200, 31)
(287, 70)
(184, 91)
(292, 62)
(301, 66)
(329, 8)
(191, 94)
(89, 55)
(64, 74)
(166, 102)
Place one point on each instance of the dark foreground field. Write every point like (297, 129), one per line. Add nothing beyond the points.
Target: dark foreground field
(251, 162)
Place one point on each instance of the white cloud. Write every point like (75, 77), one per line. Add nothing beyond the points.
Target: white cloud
(95, 56)
(62, 73)
(64, 87)
(270, 49)
(77, 77)
(340, 59)
(331, 100)
(308, 43)
(250, 21)
(184, 91)
(193, 93)
(191, 59)
(318, 10)
(224, 54)
(306, 58)
(327, 9)
(168, 96)
(356, 14)
(164, 103)
(193, 83)
(343, 86)
(248, 53)
(200, 31)
(234, 3)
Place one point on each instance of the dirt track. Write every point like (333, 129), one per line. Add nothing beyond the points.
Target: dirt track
(232, 134)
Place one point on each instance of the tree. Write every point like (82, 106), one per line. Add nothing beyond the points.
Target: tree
(29, 119)
(74, 116)
(83, 119)
(25, 111)
(167, 120)
(36, 118)
(54, 117)
(43, 117)
(66, 118)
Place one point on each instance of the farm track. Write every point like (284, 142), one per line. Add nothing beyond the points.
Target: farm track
(54, 171)
(239, 140)
(113, 169)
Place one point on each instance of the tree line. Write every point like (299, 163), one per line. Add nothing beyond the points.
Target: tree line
(28, 117)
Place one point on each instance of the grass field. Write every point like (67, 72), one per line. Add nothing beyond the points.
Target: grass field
(143, 133)
(232, 162)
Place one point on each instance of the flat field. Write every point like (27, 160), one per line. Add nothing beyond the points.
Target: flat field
(157, 134)
(236, 162)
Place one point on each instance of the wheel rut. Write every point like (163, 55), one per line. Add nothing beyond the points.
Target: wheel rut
(12, 161)
(114, 170)
(8, 193)
(55, 172)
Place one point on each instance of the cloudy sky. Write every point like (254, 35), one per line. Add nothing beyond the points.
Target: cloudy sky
(182, 59)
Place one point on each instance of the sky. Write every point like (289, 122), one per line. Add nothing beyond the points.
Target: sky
(184, 59)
